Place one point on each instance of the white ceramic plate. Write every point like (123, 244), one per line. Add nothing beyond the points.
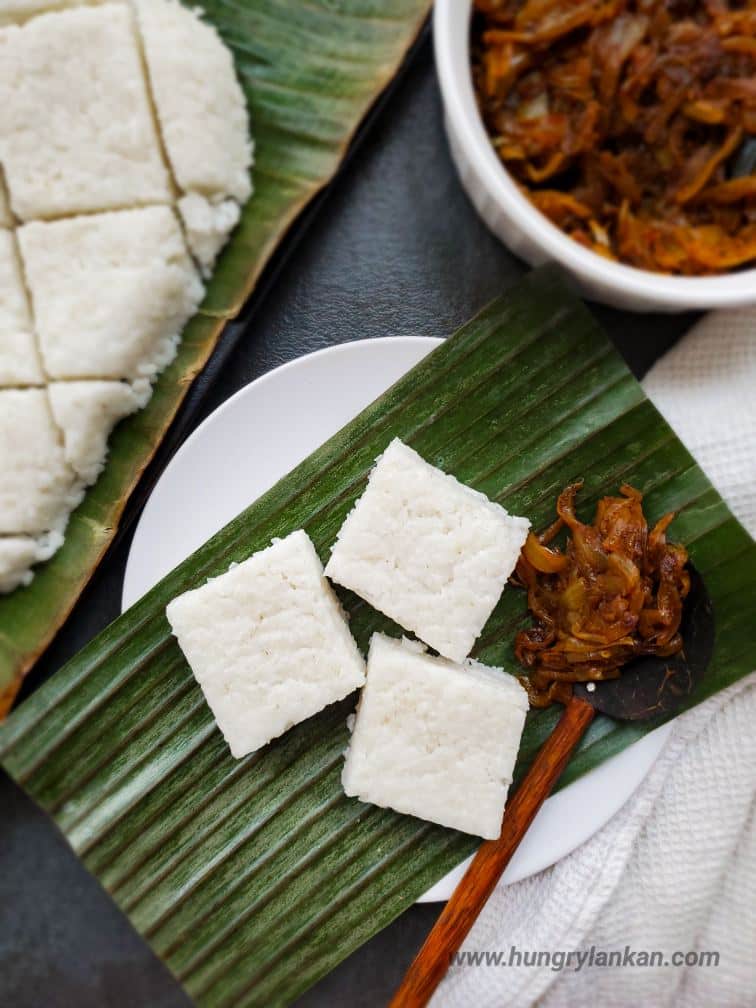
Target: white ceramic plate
(258, 436)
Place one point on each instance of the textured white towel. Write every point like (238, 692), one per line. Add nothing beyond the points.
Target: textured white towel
(675, 870)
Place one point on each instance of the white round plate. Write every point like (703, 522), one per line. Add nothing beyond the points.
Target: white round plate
(254, 439)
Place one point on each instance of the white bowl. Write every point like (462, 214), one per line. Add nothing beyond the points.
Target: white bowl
(523, 228)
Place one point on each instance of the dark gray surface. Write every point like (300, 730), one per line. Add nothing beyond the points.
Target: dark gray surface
(397, 250)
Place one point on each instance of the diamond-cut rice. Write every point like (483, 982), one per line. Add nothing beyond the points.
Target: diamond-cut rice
(19, 363)
(111, 292)
(75, 120)
(86, 413)
(268, 643)
(428, 551)
(435, 739)
(207, 227)
(200, 105)
(37, 488)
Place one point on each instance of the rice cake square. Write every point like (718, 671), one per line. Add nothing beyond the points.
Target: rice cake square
(6, 217)
(14, 11)
(207, 227)
(86, 412)
(268, 643)
(205, 132)
(75, 120)
(435, 739)
(111, 292)
(37, 488)
(19, 361)
(427, 551)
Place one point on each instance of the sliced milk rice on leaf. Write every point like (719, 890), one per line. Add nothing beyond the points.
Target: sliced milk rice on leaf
(435, 739)
(75, 119)
(19, 361)
(37, 487)
(429, 552)
(111, 292)
(126, 238)
(200, 104)
(86, 412)
(207, 227)
(306, 136)
(134, 820)
(142, 313)
(268, 643)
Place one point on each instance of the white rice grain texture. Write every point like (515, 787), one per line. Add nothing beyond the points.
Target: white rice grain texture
(19, 362)
(75, 120)
(428, 551)
(207, 227)
(200, 105)
(37, 488)
(435, 739)
(86, 412)
(268, 643)
(15, 11)
(6, 217)
(17, 554)
(111, 292)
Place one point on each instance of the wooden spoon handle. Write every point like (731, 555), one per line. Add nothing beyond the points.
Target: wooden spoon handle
(479, 881)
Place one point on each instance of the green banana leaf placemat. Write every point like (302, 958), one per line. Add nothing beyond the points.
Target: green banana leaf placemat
(310, 71)
(252, 879)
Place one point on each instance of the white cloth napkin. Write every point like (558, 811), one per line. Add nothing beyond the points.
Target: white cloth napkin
(675, 870)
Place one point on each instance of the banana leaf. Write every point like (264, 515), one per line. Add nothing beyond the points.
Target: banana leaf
(252, 879)
(310, 73)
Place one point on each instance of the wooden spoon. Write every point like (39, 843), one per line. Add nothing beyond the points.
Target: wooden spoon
(647, 688)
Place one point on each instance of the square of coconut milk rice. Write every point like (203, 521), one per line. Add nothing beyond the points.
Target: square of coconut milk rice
(427, 551)
(111, 292)
(37, 488)
(268, 643)
(435, 739)
(77, 130)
